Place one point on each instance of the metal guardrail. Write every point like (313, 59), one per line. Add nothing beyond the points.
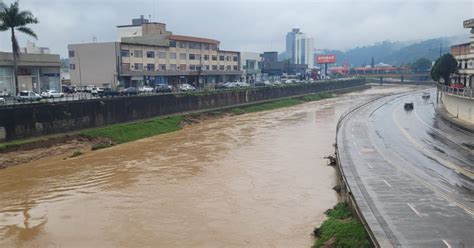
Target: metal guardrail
(464, 92)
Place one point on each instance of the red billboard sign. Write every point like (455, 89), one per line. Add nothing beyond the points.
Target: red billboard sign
(326, 58)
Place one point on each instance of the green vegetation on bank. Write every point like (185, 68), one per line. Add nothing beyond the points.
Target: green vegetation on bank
(265, 106)
(122, 133)
(317, 97)
(341, 229)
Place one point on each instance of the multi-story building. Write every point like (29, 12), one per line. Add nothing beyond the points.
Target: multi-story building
(299, 48)
(250, 65)
(36, 72)
(148, 54)
(32, 48)
(464, 54)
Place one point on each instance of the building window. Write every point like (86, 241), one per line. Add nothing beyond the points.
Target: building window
(192, 56)
(125, 53)
(205, 46)
(172, 55)
(150, 54)
(173, 67)
(214, 57)
(71, 54)
(235, 68)
(162, 67)
(125, 66)
(182, 67)
(194, 45)
(72, 66)
(182, 56)
(150, 67)
(162, 55)
(227, 58)
(236, 58)
(221, 67)
(138, 67)
(214, 47)
(214, 67)
(206, 57)
(192, 67)
(221, 57)
(182, 45)
(172, 43)
(138, 54)
(207, 67)
(229, 67)
(198, 57)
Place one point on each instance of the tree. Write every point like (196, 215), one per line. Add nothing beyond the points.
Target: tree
(12, 18)
(372, 63)
(421, 64)
(443, 68)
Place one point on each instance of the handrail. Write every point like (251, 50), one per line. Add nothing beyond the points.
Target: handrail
(464, 92)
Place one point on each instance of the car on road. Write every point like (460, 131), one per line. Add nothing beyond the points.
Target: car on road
(186, 87)
(130, 91)
(52, 94)
(107, 92)
(163, 88)
(28, 96)
(146, 89)
(408, 106)
(425, 95)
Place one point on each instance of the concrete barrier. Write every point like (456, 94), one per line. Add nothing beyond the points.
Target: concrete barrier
(459, 106)
(24, 121)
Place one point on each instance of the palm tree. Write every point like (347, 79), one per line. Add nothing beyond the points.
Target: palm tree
(12, 18)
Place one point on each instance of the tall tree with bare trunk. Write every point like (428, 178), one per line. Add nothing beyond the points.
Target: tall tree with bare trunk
(13, 19)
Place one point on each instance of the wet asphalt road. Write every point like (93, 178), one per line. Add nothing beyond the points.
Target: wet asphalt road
(410, 172)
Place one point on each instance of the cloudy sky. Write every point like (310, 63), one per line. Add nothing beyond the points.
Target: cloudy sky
(244, 25)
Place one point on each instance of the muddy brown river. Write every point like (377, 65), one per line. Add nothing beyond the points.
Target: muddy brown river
(252, 180)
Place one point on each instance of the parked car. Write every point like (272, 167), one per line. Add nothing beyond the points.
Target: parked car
(89, 88)
(146, 89)
(457, 86)
(107, 92)
(260, 84)
(186, 87)
(130, 91)
(52, 94)
(95, 91)
(220, 86)
(163, 88)
(68, 89)
(242, 84)
(28, 96)
(4, 93)
(2, 101)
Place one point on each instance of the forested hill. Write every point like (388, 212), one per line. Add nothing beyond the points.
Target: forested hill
(397, 53)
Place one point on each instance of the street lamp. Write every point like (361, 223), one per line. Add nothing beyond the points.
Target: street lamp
(80, 74)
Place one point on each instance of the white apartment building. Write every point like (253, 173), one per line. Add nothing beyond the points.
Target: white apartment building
(300, 48)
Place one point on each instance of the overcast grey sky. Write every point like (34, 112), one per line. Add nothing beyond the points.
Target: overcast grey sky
(246, 25)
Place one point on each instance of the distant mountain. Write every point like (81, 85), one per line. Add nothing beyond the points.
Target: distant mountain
(397, 53)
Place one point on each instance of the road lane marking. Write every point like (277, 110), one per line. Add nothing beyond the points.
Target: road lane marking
(388, 184)
(414, 210)
(444, 162)
(446, 243)
(370, 166)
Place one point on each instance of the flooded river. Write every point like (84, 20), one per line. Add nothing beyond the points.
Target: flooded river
(252, 180)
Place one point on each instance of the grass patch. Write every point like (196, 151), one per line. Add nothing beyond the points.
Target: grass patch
(76, 154)
(317, 97)
(266, 106)
(122, 133)
(342, 229)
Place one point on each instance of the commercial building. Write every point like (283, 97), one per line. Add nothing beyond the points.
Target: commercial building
(464, 54)
(148, 54)
(36, 72)
(32, 48)
(300, 48)
(251, 66)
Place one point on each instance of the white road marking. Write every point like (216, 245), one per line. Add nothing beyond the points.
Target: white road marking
(446, 243)
(388, 184)
(370, 166)
(414, 210)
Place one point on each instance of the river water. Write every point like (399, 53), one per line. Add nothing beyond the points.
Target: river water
(251, 180)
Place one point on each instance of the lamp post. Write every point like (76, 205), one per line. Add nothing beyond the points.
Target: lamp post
(80, 74)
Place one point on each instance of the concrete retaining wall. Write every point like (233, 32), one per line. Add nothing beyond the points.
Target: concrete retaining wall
(458, 106)
(23, 121)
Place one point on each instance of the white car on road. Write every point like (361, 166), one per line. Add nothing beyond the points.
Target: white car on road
(52, 94)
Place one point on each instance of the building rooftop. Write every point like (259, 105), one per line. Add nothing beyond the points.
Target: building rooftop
(193, 39)
(137, 25)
